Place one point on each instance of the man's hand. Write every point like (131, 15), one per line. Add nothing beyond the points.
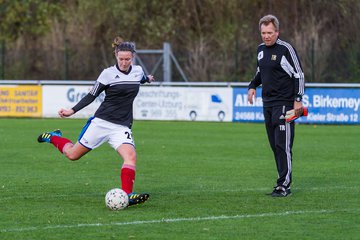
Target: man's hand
(291, 116)
(251, 95)
(298, 108)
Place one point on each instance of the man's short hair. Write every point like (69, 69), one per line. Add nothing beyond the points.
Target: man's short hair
(269, 19)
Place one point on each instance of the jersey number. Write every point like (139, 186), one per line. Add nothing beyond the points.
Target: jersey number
(128, 135)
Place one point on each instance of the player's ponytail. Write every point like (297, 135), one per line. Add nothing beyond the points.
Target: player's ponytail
(116, 42)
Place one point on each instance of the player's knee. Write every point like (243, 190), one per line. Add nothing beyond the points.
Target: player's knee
(72, 156)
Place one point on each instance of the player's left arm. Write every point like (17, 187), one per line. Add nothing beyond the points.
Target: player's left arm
(147, 79)
(298, 77)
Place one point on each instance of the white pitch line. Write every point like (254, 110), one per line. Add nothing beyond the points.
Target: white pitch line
(174, 220)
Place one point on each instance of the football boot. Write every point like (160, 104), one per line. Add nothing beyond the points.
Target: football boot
(46, 136)
(138, 198)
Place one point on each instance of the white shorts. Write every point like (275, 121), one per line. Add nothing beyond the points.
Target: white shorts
(97, 131)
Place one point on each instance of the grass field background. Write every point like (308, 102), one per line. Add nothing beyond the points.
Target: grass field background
(206, 180)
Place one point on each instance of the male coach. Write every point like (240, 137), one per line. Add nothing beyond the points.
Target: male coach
(280, 74)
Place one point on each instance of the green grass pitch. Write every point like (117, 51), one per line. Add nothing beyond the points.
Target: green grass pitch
(206, 180)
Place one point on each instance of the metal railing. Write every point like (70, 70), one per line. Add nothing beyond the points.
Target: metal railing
(166, 57)
(169, 84)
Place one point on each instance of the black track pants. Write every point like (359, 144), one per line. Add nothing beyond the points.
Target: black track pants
(281, 138)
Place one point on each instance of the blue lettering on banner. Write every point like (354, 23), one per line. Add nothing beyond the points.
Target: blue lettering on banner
(326, 106)
(243, 111)
(74, 96)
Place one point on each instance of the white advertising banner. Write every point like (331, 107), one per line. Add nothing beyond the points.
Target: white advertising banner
(184, 103)
(152, 102)
(57, 97)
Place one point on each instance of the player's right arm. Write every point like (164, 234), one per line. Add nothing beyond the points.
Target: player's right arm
(253, 85)
(85, 101)
(65, 112)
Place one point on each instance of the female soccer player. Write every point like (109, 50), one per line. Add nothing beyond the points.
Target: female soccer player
(113, 119)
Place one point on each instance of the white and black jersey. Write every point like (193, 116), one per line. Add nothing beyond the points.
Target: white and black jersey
(120, 88)
(280, 73)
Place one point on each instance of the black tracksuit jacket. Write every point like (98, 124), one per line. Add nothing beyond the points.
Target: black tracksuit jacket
(280, 74)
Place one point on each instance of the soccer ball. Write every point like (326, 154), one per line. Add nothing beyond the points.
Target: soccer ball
(116, 199)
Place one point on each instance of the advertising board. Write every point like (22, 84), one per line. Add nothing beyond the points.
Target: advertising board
(325, 105)
(183, 103)
(21, 101)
